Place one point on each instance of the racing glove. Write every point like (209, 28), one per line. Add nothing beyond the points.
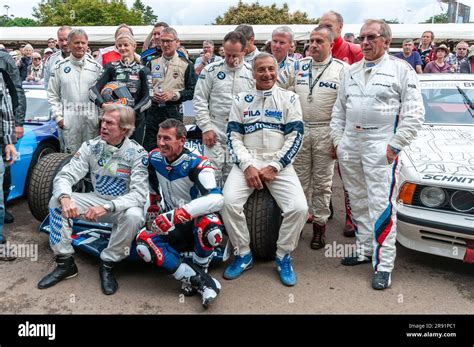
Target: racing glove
(166, 222)
(153, 211)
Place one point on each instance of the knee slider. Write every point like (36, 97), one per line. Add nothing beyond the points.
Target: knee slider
(149, 250)
(210, 229)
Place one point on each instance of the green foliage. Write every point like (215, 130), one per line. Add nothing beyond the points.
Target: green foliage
(17, 22)
(257, 14)
(439, 18)
(91, 12)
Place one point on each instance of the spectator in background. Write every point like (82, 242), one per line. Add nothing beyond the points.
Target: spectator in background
(349, 37)
(426, 49)
(292, 52)
(152, 44)
(22, 49)
(95, 54)
(208, 56)
(306, 51)
(267, 47)
(111, 53)
(347, 52)
(461, 55)
(52, 44)
(467, 66)
(439, 65)
(251, 51)
(410, 56)
(222, 53)
(47, 53)
(26, 61)
(16, 55)
(35, 70)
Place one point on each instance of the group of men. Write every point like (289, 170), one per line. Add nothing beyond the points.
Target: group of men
(259, 114)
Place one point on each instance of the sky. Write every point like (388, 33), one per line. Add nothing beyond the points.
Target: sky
(201, 12)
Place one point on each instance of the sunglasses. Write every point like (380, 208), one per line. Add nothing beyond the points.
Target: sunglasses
(371, 37)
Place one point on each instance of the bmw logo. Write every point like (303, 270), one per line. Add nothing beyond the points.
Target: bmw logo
(249, 98)
(101, 162)
(305, 67)
(157, 67)
(221, 75)
(145, 161)
(67, 69)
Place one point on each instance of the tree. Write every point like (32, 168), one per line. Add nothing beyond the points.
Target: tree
(439, 18)
(18, 22)
(148, 17)
(86, 13)
(257, 14)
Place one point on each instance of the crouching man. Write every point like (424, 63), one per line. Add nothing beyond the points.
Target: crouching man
(191, 199)
(265, 132)
(118, 169)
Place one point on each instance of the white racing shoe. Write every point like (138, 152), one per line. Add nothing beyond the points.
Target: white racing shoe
(192, 275)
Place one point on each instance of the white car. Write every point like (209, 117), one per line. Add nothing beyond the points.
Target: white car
(436, 178)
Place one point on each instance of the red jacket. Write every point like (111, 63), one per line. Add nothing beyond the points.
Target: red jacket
(346, 51)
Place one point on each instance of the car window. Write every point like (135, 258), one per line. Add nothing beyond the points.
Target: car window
(448, 105)
(36, 109)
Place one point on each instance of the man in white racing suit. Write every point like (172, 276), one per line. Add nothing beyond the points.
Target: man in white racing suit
(118, 168)
(282, 37)
(191, 201)
(378, 112)
(58, 56)
(264, 134)
(217, 85)
(68, 94)
(316, 80)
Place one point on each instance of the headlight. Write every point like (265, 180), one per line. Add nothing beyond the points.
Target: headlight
(432, 196)
(463, 201)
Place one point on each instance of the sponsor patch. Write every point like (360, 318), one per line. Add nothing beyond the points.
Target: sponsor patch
(157, 67)
(331, 85)
(175, 75)
(221, 75)
(249, 98)
(145, 161)
(305, 67)
(134, 77)
(157, 75)
(250, 113)
(67, 69)
(274, 114)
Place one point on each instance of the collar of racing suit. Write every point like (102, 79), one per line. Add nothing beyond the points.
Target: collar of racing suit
(319, 64)
(236, 67)
(266, 93)
(77, 61)
(371, 63)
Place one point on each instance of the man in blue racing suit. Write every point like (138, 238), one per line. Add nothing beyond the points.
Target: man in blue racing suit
(191, 200)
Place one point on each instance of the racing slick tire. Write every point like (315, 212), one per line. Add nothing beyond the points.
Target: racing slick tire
(264, 219)
(40, 185)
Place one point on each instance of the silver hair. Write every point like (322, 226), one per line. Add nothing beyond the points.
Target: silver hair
(261, 56)
(126, 116)
(339, 18)
(407, 41)
(284, 30)
(385, 30)
(76, 32)
(170, 30)
(209, 42)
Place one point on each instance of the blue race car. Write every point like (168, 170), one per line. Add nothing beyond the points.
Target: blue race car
(40, 138)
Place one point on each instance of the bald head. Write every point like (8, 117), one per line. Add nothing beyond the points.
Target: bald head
(333, 21)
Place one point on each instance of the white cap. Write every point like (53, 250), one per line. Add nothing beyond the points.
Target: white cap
(48, 50)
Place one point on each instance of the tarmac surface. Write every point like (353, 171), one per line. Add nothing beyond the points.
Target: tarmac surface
(421, 283)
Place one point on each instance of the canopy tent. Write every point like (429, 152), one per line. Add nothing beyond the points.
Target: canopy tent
(193, 35)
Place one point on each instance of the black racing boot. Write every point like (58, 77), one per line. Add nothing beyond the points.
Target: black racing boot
(205, 285)
(66, 268)
(107, 278)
